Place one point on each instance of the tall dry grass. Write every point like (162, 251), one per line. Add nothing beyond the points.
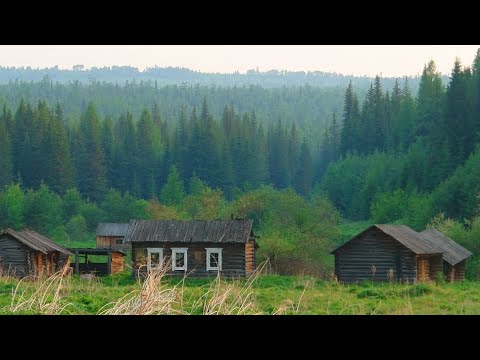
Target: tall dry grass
(42, 295)
(230, 298)
(154, 298)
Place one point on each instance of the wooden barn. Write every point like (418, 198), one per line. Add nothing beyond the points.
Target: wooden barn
(24, 253)
(398, 253)
(388, 253)
(199, 248)
(111, 235)
(454, 257)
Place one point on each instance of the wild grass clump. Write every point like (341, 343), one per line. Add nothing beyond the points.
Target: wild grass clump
(418, 290)
(42, 296)
(229, 298)
(154, 298)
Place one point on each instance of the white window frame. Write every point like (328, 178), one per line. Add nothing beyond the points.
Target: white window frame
(151, 251)
(218, 267)
(176, 251)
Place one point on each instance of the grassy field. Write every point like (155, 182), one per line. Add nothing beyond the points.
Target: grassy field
(266, 294)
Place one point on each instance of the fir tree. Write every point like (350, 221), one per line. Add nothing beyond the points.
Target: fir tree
(6, 164)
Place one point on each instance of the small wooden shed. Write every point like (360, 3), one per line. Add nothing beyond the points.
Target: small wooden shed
(112, 265)
(200, 248)
(24, 253)
(454, 255)
(388, 253)
(111, 235)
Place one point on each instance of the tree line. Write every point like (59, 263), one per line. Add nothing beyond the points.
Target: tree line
(234, 153)
(160, 76)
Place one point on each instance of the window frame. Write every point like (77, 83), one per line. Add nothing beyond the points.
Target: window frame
(149, 258)
(220, 260)
(176, 251)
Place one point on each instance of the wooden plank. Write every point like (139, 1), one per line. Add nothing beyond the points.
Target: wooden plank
(109, 263)
(77, 262)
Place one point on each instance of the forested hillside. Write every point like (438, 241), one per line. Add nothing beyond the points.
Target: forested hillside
(420, 153)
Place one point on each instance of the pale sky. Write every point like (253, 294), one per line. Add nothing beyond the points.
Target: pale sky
(370, 60)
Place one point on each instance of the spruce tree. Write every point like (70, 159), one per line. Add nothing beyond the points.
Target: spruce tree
(304, 176)
(108, 150)
(125, 152)
(59, 164)
(379, 120)
(92, 176)
(6, 163)
(146, 156)
(226, 176)
(350, 121)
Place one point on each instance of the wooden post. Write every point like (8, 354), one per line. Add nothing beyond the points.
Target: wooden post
(77, 265)
(109, 264)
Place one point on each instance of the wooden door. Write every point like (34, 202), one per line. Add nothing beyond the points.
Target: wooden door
(423, 268)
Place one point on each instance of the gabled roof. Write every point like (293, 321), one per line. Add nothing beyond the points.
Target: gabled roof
(216, 231)
(453, 253)
(406, 236)
(36, 241)
(112, 229)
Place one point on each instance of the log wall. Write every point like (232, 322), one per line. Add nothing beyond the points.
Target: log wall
(117, 263)
(14, 256)
(233, 258)
(250, 257)
(375, 256)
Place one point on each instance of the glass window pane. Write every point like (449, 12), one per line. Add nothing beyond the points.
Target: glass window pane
(213, 259)
(179, 259)
(155, 259)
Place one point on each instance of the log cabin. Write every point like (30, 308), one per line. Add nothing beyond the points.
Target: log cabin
(454, 257)
(398, 253)
(28, 253)
(111, 235)
(199, 248)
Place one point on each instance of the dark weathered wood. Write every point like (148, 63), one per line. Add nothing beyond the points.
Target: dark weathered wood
(77, 262)
(189, 231)
(233, 258)
(375, 256)
(112, 242)
(378, 256)
(109, 263)
(18, 259)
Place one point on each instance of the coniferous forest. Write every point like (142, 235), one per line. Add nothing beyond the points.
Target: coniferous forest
(74, 154)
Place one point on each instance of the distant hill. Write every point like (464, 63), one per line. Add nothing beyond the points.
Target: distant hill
(177, 76)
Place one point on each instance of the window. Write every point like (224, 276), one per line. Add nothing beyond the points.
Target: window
(179, 259)
(154, 258)
(214, 259)
(119, 241)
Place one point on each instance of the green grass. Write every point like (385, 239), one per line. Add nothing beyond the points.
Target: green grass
(291, 294)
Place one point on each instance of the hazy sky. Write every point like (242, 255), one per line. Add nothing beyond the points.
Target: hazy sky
(388, 60)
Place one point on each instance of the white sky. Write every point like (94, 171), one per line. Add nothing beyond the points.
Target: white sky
(387, 60)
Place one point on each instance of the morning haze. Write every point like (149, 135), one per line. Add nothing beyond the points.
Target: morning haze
(359, 60)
